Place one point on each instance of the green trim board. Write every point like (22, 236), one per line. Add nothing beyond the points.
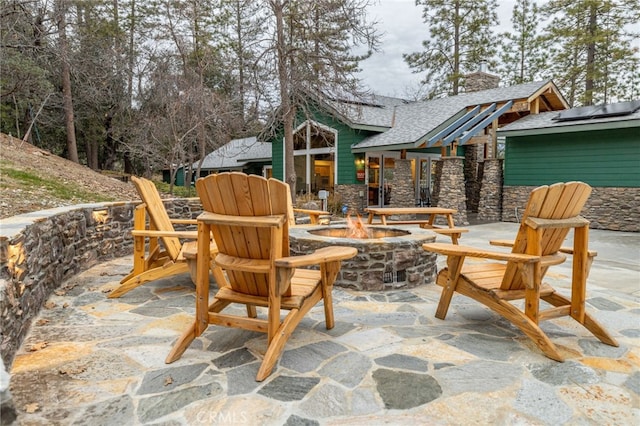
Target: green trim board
(600, 158)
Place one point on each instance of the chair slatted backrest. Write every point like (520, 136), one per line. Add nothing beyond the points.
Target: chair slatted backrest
(158, 217)
(557, 201)
(238, 194)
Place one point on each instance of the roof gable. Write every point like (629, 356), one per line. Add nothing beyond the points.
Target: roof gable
(416, 122)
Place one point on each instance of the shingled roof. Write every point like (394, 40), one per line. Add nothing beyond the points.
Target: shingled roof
(405, 124)
(237, 153)
(547, 123)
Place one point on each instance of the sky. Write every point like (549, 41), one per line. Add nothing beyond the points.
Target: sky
(385, 72)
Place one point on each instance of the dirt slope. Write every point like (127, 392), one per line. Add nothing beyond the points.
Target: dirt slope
(79, 183)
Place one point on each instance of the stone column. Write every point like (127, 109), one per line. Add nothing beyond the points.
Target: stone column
(435, 191)
(472, 176)
(402, 192)
(451, 188)
(490, 205)
(349, 195)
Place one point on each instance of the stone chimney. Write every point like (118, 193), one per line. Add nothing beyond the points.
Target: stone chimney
(480, 80)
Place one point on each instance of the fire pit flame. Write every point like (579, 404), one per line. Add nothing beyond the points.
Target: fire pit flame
(357, 228)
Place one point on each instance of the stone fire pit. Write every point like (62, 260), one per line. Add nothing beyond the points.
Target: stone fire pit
(391, 258)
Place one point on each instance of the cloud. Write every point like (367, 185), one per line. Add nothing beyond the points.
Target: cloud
(385, 72)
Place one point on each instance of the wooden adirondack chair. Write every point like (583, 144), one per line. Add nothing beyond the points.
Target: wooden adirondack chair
(551, 212)
(157, 248)
(249, 217)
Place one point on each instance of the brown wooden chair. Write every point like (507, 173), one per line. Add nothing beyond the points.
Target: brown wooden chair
(158, 250)
(249, 217)
(314, 215)
(551, 212)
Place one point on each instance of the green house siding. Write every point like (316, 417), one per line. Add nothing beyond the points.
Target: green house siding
(346, 159)
(346, 137)
(608, 158)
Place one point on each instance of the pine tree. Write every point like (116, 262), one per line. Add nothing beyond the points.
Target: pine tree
(522, 57)
(460, 40)
(592, 57)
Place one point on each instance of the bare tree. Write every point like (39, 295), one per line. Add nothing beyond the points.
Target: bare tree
(61, 9)
(313, 44)
(25, 86)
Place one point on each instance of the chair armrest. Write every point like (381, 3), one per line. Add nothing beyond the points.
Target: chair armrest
(566, 250)
(311, 211)
(323, 255)
(569, 250)
(184, 221)
(501, 243)
(456, 250)
(190, 235)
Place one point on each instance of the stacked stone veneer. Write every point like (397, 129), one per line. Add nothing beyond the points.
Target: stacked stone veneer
(402, 190)
(40, 250)
(473, 175)
(376, 258)
(350, 196)
(449, 190)
(490, 203)
(615, 209)
(480, 80)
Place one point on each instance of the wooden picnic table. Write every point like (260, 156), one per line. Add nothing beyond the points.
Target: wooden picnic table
(427, 223)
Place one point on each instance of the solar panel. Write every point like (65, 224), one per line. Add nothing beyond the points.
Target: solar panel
(582, 113)
(600, 111)
(621, 108)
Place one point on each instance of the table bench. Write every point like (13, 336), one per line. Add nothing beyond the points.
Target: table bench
(428, 223)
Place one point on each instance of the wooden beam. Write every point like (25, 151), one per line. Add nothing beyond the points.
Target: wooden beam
(484, 123)
(543, 99)
(456, 133)
(494, 139)
(451, 127)
(519, 106)
(535, 106)
(477, 140)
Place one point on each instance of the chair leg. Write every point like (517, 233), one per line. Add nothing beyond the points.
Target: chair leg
(330, 272)
(251, 311)
(589, 323)
(182, 344)
(277, 344)
(514, 315)
(454, 266)
(190, 333)
(151, 275)
(287, 326)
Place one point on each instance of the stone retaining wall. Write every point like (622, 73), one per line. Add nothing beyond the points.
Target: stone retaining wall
(614, 209)
(40, 250)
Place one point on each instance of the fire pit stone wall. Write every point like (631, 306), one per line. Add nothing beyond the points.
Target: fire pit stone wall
(387, 263)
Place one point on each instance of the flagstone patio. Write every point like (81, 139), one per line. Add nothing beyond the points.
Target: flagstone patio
(92, 360)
